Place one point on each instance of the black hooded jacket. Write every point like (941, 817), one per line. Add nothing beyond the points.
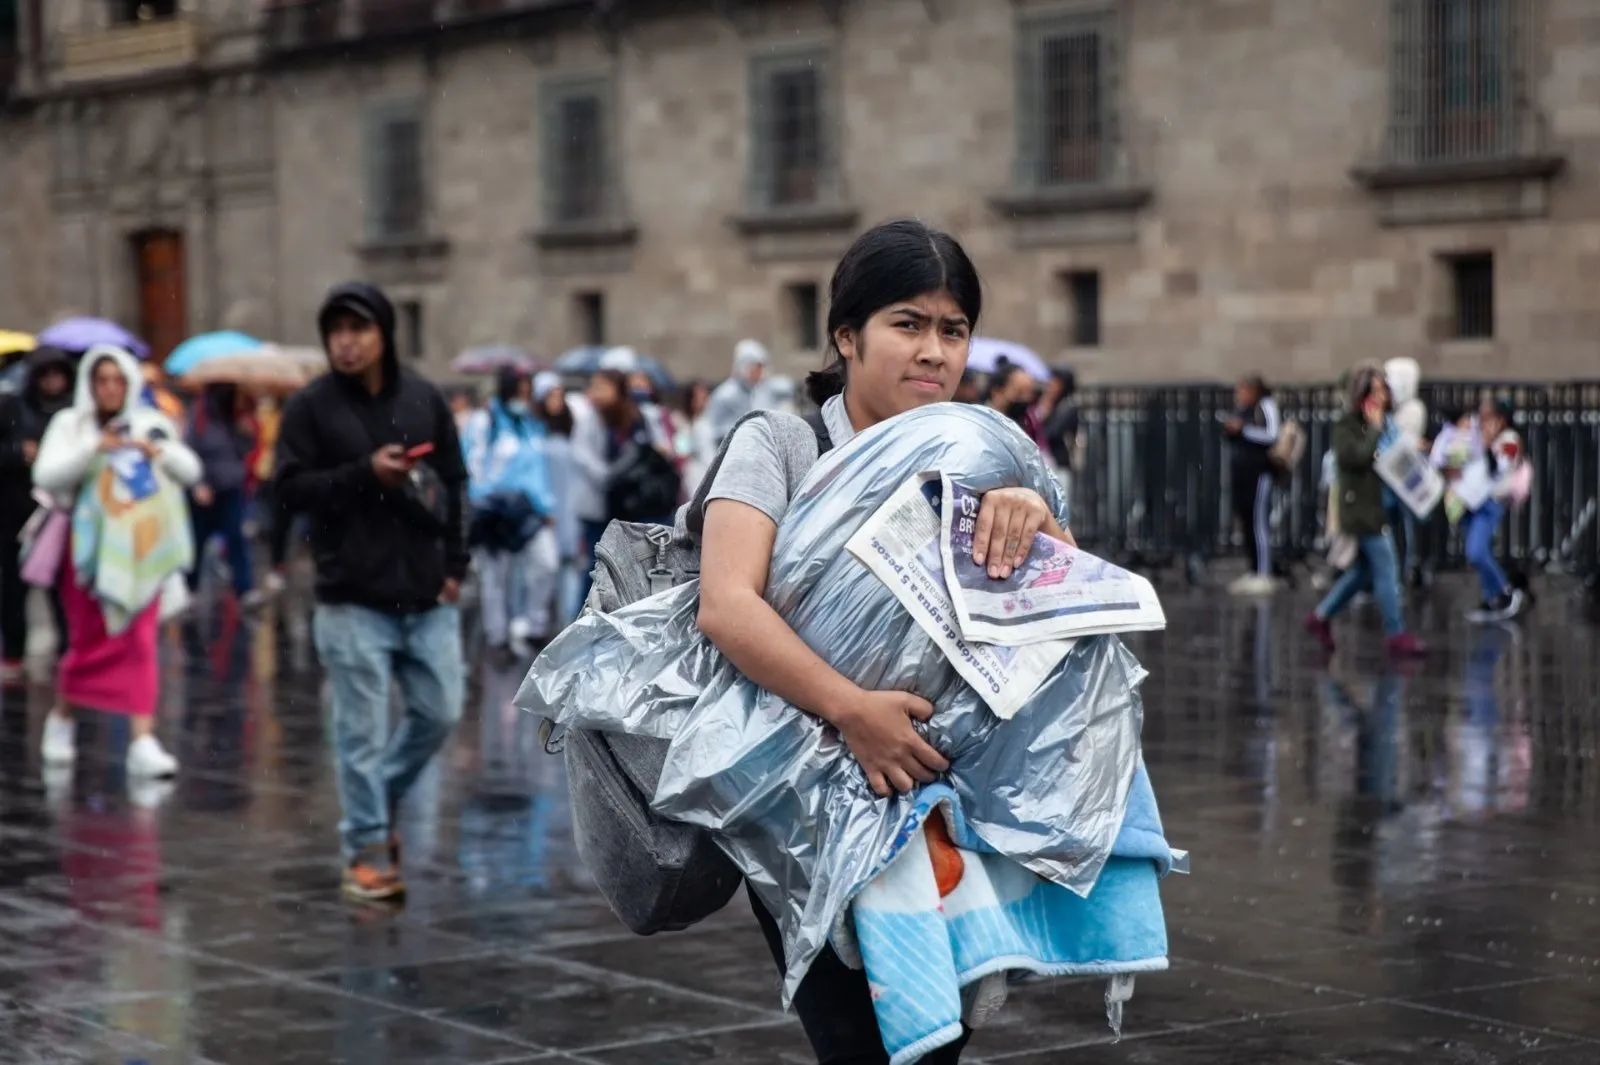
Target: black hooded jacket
(372, 547)
(23, 418)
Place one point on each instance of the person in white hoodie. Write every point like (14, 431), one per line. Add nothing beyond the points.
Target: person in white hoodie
(1410, 417)
(132, 453)
(738, 395)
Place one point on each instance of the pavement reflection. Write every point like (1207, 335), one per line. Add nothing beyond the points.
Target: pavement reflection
(1390, 866)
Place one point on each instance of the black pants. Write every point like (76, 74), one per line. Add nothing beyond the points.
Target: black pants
(14, 602)
(835, 1007)
(1252, 506)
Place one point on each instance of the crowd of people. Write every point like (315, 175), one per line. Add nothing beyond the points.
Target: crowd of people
(1478, 454)
(113, 487)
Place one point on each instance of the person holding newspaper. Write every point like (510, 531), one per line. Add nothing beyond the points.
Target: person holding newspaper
(1358, 437)
(903, 304)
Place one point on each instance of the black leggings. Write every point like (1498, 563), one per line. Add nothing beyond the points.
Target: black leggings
(835, 1007)
(14, 602)
(1252, 505)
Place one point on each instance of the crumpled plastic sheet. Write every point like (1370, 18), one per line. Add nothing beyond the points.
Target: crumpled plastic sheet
(777, 786)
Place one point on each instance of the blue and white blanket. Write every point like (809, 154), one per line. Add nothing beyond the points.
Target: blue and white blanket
(920, 950)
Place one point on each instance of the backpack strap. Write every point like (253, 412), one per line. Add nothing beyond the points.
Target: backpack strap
(695, 519)
(820, 427)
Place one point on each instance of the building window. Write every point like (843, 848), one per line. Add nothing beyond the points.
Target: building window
(1454, 85)
(397, 192)
(590, 308)
(410, 340)
(143, 10)
(1083, 294)
(578, 182)
(1066, 99)
(789, 131)
(1472, 294)
(805, 311)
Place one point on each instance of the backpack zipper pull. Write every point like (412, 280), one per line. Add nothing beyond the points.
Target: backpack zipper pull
(660, 576)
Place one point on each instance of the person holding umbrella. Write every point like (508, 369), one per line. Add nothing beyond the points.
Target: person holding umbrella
(46, 391)
(217, 436)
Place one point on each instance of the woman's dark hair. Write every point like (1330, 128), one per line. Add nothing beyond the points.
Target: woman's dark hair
(887, 264)
(557, 424)
(686, 398)
(1004, 371)
(1257, 384)
(621, 417)
(507, 381)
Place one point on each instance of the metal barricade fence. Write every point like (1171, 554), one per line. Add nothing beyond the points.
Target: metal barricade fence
(1155, 488)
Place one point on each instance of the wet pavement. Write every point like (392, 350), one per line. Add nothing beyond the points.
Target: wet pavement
(1390, 867)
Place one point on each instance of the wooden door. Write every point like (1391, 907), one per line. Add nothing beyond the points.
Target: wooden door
(163, 295)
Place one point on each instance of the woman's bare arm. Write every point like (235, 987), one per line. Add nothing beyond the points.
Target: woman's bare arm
(736, 556)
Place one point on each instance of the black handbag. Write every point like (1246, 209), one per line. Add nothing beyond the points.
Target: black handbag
(645, 485)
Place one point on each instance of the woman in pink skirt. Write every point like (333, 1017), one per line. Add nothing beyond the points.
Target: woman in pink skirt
(130, 454)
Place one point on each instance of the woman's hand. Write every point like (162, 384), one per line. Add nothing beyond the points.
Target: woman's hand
(1008, 520)
(878, 728)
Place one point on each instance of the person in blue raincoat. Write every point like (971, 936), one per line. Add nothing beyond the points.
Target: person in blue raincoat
(513, 530)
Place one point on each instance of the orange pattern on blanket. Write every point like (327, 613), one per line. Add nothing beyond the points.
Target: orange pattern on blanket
(948, 865)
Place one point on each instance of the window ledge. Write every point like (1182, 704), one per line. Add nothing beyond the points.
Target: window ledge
(812, 218)
(1459, 172)
(587, 234)
(1071, 199)
(404, 248)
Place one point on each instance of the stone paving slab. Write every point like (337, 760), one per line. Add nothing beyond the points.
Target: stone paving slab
(1392, 866)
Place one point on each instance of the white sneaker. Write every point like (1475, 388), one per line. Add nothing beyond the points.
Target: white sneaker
(147, 758)
(60, 746)
(1253, 584)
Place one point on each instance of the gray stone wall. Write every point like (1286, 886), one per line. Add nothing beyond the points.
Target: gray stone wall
(1257, 248)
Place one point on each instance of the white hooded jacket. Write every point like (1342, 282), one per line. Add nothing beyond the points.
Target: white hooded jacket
(1410, 413)
(72, 439)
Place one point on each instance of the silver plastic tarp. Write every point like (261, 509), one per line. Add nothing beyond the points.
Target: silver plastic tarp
(776, 785)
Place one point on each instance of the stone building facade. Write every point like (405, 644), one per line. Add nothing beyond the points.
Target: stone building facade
(1153, 189)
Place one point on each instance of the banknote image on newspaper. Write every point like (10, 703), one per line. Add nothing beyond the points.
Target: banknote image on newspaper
(1058, 592)
(899, 544)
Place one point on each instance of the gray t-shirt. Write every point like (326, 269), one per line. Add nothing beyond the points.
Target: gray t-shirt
(768, 458)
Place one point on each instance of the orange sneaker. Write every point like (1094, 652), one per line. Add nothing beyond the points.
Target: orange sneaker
(372, 881)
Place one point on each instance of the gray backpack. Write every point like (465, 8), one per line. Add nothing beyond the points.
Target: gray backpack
(657, 875)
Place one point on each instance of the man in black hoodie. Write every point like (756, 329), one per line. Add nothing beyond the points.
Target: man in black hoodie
(369, 453)
(23, 418)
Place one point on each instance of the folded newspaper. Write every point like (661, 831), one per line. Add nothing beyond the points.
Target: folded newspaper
(1003, 637)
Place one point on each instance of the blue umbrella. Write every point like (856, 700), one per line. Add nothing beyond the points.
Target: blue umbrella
(584, 361)
(204, 347)
(78, 335)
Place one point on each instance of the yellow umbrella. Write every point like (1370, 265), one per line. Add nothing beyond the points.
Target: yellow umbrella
(13, 343)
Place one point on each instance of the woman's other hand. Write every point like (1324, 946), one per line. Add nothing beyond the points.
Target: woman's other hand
(1008, 520)
(879, 729)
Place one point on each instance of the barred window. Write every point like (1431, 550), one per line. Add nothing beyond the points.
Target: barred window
(789, 131)
(577, 177)
(1472, 284)
(396, 195)
(1066, 99)
(1455, 79)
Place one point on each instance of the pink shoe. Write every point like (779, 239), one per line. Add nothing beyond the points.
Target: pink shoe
(1406, 645)
(1320, 628)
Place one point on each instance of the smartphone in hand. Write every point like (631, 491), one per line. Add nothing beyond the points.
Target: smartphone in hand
(421, 451)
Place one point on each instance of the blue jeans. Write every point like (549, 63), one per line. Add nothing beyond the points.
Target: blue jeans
(224, 517)
(1374, 571)
(359, 647)
(1481, 526)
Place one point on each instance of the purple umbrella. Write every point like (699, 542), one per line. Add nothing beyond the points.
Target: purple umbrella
(80, 334)
(986, 352)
